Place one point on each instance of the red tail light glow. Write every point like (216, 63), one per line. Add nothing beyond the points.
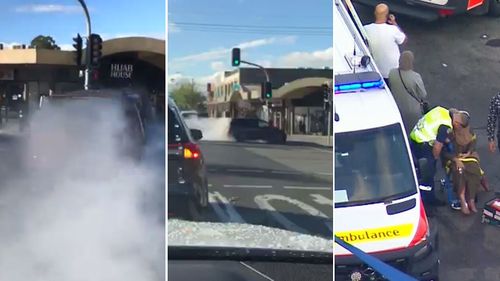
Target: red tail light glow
(422, 228)
(191, 151)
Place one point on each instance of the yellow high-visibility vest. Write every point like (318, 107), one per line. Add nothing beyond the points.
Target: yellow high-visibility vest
(427, 127)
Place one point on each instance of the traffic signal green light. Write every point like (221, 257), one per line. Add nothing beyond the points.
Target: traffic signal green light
(235, 61)
(267, 90)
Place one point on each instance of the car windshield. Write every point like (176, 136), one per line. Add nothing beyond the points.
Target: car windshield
(263, 164)
(372, 166)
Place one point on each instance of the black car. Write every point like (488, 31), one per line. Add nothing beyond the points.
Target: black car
(242, 129)
(187, 175)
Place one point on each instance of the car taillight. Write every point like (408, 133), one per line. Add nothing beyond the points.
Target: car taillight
(191, 151)
(422, 228)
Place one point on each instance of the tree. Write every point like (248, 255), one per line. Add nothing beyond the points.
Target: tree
(187, 97)
(44, 42)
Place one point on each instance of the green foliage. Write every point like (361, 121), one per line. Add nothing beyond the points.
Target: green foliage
(44, 42)
(187, 97)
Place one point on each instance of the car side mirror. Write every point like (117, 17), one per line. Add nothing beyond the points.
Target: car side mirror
(196, 134)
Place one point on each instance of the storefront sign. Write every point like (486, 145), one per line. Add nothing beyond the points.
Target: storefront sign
(121, 71)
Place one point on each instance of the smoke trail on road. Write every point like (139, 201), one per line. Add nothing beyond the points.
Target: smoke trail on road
(80, 211)
(213, 129)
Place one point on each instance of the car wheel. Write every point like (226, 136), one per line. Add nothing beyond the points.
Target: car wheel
(494, 8)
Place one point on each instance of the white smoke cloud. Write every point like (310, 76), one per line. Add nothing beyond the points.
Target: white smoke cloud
(83, 210)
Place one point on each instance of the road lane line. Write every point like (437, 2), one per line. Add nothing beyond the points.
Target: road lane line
(212, 199)
(245, 170)
(322, 200)
(263, 202)
(285, 173)
(230, 210)
(247, 186)
(307, 187)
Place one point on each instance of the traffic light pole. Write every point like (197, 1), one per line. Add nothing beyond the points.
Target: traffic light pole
(267, 80)
(87, 49)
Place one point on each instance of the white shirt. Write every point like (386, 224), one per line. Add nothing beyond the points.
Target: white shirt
(384, 40)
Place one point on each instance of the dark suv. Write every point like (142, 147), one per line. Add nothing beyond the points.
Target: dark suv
(187, 176)
(255, 129)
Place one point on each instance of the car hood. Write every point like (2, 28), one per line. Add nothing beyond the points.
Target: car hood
(238, 235)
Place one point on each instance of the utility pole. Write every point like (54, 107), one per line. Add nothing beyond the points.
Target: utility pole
(87, 50)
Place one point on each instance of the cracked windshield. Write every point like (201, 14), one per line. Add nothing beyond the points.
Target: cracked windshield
(249, 139)
(82, 140)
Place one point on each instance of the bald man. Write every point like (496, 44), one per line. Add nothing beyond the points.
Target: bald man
(384, 37)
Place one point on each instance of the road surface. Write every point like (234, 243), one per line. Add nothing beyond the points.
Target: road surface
(283, 186)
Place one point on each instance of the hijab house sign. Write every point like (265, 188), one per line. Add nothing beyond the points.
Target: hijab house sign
(121, 71)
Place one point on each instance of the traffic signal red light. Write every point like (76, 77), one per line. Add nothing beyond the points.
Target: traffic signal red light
(95, 49)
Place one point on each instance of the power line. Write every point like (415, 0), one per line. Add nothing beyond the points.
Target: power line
(267, 32)
(325, 28)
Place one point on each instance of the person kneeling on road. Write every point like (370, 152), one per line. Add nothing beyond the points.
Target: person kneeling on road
(426, 142)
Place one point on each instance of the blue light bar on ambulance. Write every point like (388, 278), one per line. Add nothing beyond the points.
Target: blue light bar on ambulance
(357, 81)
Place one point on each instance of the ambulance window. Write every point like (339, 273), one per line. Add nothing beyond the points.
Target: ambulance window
(373, 165)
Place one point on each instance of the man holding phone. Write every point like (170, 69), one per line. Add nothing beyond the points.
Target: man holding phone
(384, 37)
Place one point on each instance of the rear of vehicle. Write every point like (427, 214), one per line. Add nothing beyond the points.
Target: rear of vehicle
(378, 207)
(255, 129)
(434, 9)
(187, 181)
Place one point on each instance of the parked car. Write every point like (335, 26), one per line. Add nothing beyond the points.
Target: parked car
(242, 129)
(187, 173)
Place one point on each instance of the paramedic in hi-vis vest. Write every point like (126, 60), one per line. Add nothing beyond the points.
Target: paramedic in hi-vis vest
(426, 141)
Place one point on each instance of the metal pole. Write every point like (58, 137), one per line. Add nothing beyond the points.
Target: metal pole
(267, 80)
(87, 49)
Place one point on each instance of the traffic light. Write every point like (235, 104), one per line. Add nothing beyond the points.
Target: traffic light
(326, 93)
(95, 49)
(78, 47)
(266, 91)
(236, 60)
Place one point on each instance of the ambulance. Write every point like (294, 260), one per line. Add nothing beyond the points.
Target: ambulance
(378, 207)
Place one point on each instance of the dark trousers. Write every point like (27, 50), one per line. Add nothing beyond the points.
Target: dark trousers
(419, 151)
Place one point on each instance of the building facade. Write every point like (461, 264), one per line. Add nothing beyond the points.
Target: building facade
(297, 104)
(27, 73)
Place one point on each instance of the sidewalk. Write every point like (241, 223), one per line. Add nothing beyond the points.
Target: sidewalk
(311, 139)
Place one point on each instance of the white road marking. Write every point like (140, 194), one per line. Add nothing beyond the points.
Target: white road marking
(285, 172)
(212, 199)
(210, 185)
(231, 211)
(322, 200)
(263, 202)
(247, 186)
(245, 170)
(307, 187)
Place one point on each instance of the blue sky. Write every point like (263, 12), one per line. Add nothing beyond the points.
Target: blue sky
(198, 51)
(22, 20)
